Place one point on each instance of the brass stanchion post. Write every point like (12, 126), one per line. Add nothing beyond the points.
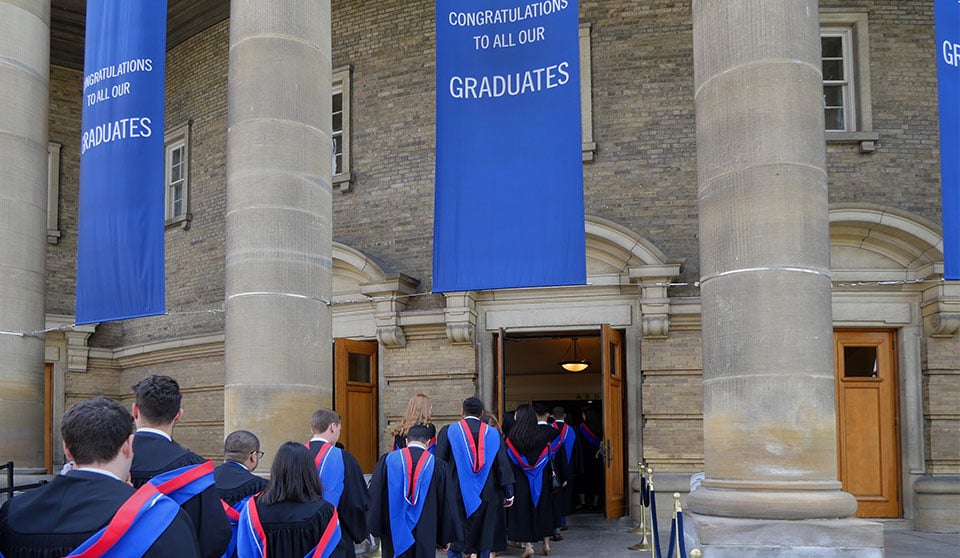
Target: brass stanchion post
(646, 498)
(642, 527)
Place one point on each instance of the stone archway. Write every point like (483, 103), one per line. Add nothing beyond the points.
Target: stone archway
(368, 297)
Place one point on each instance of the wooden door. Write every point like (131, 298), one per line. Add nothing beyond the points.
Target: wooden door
(867, 419)
(611, 360)
(355, 398)
(499, 371)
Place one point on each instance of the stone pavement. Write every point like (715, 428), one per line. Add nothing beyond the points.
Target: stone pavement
(592, 536)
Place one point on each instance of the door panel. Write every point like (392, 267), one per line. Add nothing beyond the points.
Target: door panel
(867, 417)
(499, 371)
(355, 371)
(611, 349)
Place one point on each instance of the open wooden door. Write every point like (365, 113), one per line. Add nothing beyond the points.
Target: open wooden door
(355, 393)
(611, 350)
(868, 451)
(498, 399)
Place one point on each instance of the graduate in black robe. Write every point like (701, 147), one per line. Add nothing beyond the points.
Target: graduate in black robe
(570, 453)
(234, 482)
(350, 495)
(55, 519)
(590, 485)
(483, 527)
(529, 447)
(291, 512)
(410, 485)
(234, 478)
(156, 410)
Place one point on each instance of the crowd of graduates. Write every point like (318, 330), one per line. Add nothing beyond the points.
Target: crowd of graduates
(470, 489)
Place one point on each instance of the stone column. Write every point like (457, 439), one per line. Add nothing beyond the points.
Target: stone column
(770, 447)
(278, 351)
(24, 93)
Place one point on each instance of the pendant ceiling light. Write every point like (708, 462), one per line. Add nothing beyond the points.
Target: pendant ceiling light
(577, 362)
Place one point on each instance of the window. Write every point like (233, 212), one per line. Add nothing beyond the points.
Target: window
(53, 192)
(844, 57)
(586, 88)
(177, 175)
(839, 109)
(340, 131)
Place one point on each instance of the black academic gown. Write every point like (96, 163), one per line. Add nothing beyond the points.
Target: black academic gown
(591, 482)
(153, 454)
(53, 520)
(484, 529)
(439, 522)
(574, 470)
(234, 482)
(294, 528)
(353, 502)
(526, 522)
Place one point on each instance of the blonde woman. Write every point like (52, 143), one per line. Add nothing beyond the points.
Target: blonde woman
(418, 412)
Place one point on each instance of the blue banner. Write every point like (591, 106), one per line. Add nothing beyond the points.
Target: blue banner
(120, 272)
(947, 16)
(508, 208)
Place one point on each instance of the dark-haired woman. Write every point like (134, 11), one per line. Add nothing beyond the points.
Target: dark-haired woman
(290, 518)
(530, 449)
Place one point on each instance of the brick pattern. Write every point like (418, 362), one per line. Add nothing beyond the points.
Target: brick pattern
(672, 402)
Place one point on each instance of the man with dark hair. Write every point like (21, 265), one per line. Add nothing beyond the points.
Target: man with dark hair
(234, 478)
(54, 520)
(413, 508)
(340, 476)
(156, 410)
(483, 479)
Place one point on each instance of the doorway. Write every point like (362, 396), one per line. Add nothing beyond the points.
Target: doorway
(355, 398)
(528, 369)
(868, 449)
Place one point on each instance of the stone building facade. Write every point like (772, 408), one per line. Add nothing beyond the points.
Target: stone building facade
(643, 259)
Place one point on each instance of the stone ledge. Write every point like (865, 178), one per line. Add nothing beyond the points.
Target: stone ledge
(724, 536)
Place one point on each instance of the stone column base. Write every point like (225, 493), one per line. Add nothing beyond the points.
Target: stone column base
(725, 537)
(938, 504)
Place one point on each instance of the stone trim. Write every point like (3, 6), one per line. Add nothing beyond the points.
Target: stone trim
(654, 298)
(460, 316)
(390, 297)
(159, 352)
(76, 337)
(940, 308)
